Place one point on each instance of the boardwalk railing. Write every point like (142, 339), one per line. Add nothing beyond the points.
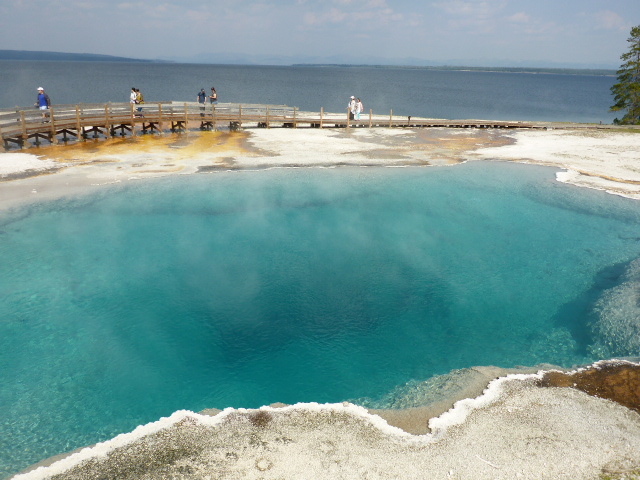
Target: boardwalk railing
(24, 127)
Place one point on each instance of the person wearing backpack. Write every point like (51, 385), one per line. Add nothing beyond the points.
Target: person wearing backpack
(139, 99)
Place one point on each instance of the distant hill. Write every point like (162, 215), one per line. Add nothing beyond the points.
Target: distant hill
(67, 57)
(347, 59)
(241, 59)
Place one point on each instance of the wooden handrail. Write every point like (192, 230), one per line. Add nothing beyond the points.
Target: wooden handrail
(19, 126)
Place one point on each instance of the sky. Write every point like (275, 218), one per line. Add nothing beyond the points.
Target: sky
(540, 33)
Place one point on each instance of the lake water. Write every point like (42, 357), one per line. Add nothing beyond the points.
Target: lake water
(290, 285)
(415, 92)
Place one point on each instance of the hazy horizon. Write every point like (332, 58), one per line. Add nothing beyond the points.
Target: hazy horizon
(268, 60)
(543, 34)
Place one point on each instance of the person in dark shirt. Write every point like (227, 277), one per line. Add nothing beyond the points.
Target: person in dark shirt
(202, 98)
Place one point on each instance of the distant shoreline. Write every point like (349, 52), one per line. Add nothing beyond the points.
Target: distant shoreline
(45, 56)
(446, 68)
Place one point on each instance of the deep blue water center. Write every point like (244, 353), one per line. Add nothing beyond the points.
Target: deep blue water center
(289, 285)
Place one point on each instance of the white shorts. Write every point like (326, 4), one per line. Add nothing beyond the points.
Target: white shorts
(44, 108)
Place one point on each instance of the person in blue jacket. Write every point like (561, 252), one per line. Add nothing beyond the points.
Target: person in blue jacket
(43, 102)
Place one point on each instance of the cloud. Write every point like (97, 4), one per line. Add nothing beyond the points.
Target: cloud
(608, 20)
(198, 15)
(84, 5)
(478, 10)
(333, 15)
(472, 17)
(519, 17)
(360, 15)
(531, 26)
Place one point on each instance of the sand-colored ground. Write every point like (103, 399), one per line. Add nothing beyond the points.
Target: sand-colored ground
(515, 429)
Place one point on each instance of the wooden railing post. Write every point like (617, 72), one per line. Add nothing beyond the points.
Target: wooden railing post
(391, 118)
(268, 125)
(186, 118)
(348, 116)
(23, 122)
(107, 121)
(321, 115)
(240, 116)
(79, 127)
(133, 122)
(53, 125)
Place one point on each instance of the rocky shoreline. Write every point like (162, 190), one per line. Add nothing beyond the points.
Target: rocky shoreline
(579, 424)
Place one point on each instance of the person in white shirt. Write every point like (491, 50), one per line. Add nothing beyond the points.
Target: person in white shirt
(352, 107)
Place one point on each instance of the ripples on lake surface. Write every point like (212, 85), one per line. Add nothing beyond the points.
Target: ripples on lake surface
(291, 285)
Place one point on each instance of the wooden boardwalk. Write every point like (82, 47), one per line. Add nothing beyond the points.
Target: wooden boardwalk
(24, 128)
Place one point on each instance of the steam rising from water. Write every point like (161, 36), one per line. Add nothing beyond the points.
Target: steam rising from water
(246, 288)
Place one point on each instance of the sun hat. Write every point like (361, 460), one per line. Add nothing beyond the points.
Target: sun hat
(40, 88)
(352, 96)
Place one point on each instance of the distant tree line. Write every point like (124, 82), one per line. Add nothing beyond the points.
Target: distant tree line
(627, 91)
(61, 56)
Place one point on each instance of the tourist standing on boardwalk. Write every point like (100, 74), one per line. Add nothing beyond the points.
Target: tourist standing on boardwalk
(43, 102)
(213, 98)
(352, 107)
(133, 96)
(139, 99)
(359, 108)
(201, 96)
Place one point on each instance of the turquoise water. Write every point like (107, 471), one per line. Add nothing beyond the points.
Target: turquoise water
(246, 288)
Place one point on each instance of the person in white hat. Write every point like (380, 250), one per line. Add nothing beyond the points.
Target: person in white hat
(43, 102)
(352, 107)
